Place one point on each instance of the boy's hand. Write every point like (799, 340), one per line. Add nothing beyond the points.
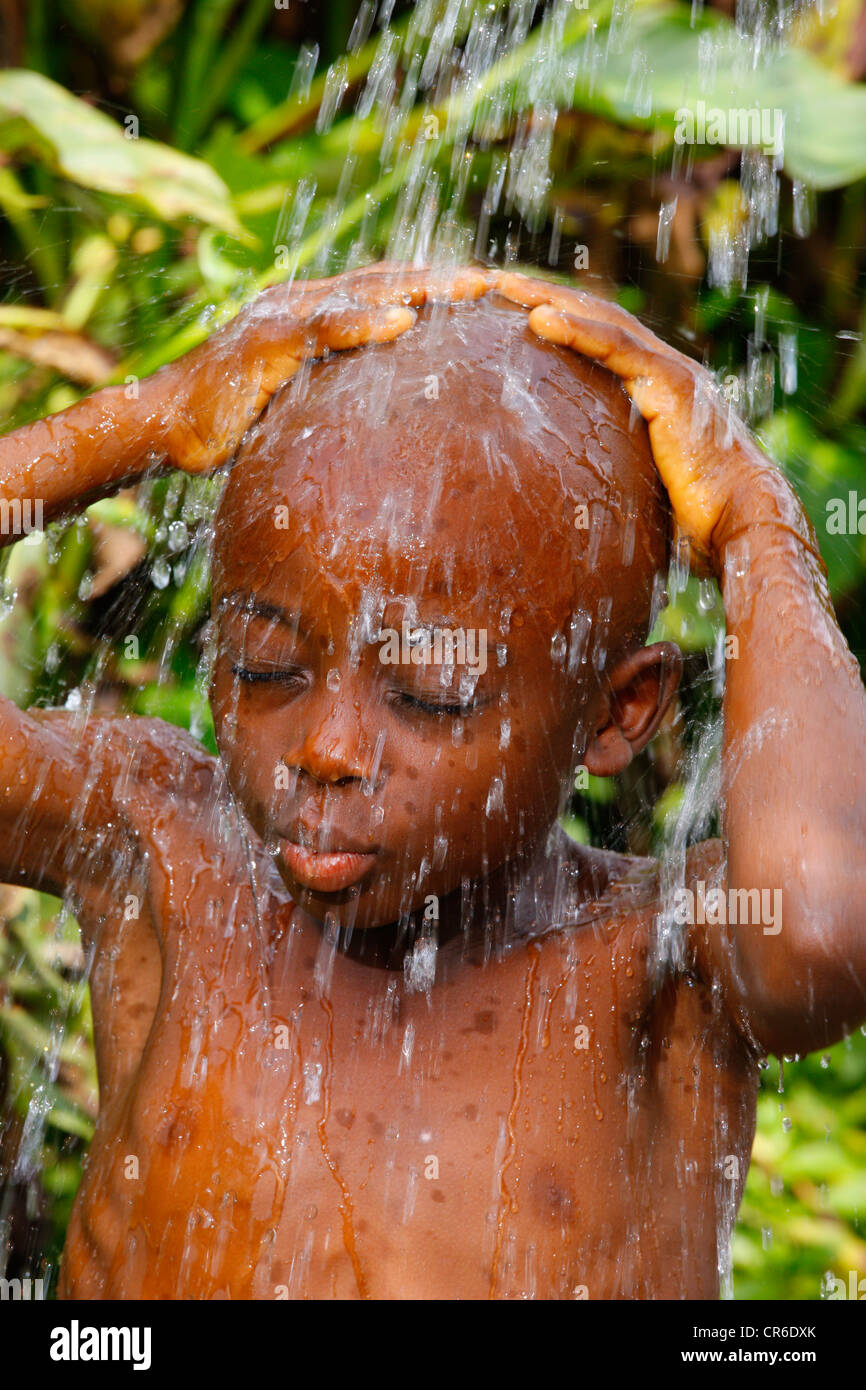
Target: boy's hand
(214, 393)
(709, 464)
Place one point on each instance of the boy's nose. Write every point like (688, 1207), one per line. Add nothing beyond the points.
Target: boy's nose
(332, 747)
(328, 763)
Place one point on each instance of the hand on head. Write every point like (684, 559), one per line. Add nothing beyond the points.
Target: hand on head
(219, 389)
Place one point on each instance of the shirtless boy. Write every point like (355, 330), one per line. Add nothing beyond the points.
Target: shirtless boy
(301, 1096)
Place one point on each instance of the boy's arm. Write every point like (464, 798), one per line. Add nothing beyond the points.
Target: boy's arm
(193, 413)
(794, 759)
(190, 414)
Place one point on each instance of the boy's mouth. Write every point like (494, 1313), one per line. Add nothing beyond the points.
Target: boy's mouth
(325, 872)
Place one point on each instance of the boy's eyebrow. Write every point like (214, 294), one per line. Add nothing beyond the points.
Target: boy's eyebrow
(264, 608)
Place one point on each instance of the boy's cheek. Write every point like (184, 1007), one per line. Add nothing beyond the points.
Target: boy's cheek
(253, 781)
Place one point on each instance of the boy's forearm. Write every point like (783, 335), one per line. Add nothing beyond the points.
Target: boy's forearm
(67, 460)
(794, 774)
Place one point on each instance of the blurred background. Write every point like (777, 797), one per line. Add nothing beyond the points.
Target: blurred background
(163, 160)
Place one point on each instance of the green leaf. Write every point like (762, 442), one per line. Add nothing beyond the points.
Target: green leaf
(686, 621)
(823, 473)
(825, 120)
(91, 149)
(659, 66)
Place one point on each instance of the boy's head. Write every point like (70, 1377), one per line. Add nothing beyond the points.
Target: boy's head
(434, 566)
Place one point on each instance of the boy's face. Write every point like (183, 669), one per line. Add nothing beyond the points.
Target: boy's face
(408, 652)
(439, 770)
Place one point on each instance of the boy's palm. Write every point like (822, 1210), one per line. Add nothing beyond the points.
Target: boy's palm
(216, 391)
(699, 447)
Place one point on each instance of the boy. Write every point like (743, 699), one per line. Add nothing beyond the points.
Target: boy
(376, 1028)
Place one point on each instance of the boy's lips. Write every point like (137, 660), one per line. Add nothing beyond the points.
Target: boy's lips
(325, 872)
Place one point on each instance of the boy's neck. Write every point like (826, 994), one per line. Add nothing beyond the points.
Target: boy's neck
(552, 885)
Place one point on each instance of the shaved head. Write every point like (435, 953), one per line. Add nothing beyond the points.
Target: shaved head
(485, 463)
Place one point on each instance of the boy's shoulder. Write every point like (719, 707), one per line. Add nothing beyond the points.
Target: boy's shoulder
(137, 749)
(619, 887)
(632, 910)
(651, 888)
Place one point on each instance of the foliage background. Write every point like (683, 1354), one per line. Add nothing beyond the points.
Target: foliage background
(258, 125)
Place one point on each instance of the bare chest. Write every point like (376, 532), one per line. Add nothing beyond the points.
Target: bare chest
(518, 1132)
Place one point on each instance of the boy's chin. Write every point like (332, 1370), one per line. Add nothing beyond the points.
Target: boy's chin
(358, 907)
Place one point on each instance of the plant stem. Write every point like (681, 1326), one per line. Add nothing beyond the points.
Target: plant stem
(206, 23)
(224, 71)
(16, 204)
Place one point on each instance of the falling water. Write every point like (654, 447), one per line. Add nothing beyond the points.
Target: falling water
(462, 63)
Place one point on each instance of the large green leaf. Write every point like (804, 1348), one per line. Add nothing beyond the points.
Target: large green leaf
(91, 149)
(659, 63)
(824, 473)
(825, 131)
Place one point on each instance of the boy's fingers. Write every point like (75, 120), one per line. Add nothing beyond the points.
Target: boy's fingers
(351, 328)
(522, 289)
(530, 292)
(326, 327)
(664, 391)
(274, 374)
(416, 283)
(386, 283)
(275, 360)
(527, 289)
(418, 286)
(363, 272)
(656, 384)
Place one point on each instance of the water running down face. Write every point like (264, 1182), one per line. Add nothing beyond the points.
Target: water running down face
(467, 477)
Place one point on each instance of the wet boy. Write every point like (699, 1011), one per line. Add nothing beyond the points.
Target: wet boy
(379, 1029)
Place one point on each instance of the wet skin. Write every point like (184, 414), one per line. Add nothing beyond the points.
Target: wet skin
(461, 1142)
(285, 1110)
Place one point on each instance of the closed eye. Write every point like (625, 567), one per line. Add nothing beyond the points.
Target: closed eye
(273, 675)
(433, 707)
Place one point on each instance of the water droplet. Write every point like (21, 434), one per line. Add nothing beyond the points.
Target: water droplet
(788, 362)
(663, 235)
(160, 573)
(707, 596)
(495, 798)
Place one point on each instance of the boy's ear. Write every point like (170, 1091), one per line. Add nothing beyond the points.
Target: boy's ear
(640, 688)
